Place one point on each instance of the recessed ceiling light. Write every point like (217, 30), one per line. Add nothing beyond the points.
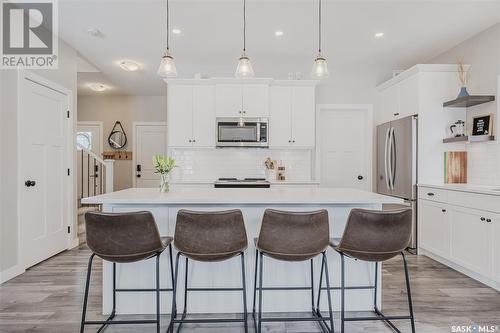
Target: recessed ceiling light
(176, 31)
(97, 87)
(129, 65)
(379, 35)
(278, 33)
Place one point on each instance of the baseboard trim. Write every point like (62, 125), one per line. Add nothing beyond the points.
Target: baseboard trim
(10, 273)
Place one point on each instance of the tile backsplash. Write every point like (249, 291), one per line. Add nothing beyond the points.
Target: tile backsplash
(210, 164)
(483, 163)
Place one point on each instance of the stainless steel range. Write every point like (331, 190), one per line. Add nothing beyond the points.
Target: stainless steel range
(242, 183)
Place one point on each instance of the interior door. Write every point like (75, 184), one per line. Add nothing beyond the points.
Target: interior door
(149, 140)
(344, 149)
(383, 185)
(44, 198)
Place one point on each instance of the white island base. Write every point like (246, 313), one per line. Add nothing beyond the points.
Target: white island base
(252, 203)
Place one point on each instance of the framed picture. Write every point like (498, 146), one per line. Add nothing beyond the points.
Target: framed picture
(482, 125)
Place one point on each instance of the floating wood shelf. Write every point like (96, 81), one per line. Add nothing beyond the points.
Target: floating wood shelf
(467, 101)
(472, 138)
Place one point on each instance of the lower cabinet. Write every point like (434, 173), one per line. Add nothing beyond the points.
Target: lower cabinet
(466, 237)
(471, 239)
(434, 227)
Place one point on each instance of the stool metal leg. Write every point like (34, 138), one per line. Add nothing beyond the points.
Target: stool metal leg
(171, 267)
(320, 286)
(259, 327)
(342, 293)
(85, 299)
(158, 293)
(174, 295)
(408, 292)
(327, 279)
(312, 285)
(255, 281)
(243, 273)
(376, 287)
(112, 315)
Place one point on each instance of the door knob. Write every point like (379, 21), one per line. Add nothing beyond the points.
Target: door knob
(360, 177)
(29, 183)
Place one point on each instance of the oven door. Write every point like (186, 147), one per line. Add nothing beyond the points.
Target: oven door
(235, 133)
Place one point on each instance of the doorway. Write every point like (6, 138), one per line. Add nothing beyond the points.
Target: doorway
(150, 138)
(45, 163)
(344, 146)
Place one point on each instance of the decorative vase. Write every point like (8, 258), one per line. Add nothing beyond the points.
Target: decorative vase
(164, 185)
(463, 92)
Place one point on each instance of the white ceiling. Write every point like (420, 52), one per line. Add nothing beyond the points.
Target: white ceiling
(211, 42)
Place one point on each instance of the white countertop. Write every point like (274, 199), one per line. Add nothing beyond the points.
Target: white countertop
(273, 182)
(250, 196)
(471, 188)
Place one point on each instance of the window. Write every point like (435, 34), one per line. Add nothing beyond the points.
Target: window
(84, 140)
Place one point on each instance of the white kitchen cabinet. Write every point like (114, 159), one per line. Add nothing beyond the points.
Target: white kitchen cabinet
(390, 104)
(242, 100)
(408, 97)
(434, 227)
(471, 242)
(191, 116)
(179, 115)
(292, 121)
(496, 247)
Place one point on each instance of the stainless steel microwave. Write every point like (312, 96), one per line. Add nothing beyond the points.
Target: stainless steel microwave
(243, 132)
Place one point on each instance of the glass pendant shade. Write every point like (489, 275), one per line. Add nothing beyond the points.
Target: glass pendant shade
(167, 67)
(244, 68)
(320, 68)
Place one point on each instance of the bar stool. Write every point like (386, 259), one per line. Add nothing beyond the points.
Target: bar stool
(292, 236)
(374, 236)
(124, 238)
(208, 237)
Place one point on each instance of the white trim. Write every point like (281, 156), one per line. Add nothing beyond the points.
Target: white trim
(134, 148)
(93, 123)
(11, 272)
(70, 156)
(368, 108)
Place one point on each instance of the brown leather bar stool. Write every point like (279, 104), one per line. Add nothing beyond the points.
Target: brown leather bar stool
(208, 237)
(374, 236)
(124, 238)
(292, 236)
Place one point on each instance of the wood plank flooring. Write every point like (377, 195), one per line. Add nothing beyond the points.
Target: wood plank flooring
(48, 298)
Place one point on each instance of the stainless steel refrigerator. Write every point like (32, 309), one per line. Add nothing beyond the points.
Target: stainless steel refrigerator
(397, 165)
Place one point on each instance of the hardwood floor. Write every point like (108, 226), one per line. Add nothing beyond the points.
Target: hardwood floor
(48, 298)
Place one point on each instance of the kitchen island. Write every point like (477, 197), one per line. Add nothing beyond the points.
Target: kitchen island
(252, 203)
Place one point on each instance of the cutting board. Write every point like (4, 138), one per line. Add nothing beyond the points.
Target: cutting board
(455, 167)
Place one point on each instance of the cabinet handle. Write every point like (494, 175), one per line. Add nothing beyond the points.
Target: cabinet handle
(488, 220)
(289, 141)
(483, 219)
(293, 141)
(396, 114)
(190, 141)
(443, 210)
(430, 194)
(244, 112)
(194, 140)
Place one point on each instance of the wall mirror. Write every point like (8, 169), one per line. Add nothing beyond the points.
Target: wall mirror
(117, 138)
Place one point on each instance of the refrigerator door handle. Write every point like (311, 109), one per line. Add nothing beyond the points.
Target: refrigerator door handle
(393, 157)
(387, 134)
(389, 148)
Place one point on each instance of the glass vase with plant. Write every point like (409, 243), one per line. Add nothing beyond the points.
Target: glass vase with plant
(164, 166)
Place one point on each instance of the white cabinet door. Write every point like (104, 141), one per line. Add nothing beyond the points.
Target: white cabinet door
(471, 239)
(390, 103)
(228, 100)
(303, 117)
(408, 97)
(203, 116)
(180, 115)
(496, 246)
(280, 126)
(434, 228)
(255, 100)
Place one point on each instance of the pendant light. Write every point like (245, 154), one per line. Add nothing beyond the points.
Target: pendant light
(320, 67)
(244, 68)
(167, 67)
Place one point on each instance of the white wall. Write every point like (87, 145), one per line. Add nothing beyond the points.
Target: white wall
(65, 76)
(482, 52)
(126, 109)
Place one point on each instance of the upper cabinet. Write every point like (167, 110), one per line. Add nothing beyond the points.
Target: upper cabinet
(242, 100)
(292, 116)
(191, 116)
(399, 100)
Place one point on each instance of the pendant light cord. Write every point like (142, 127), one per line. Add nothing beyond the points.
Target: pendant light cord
(244, 26)
(168, 29)
(319, 27)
